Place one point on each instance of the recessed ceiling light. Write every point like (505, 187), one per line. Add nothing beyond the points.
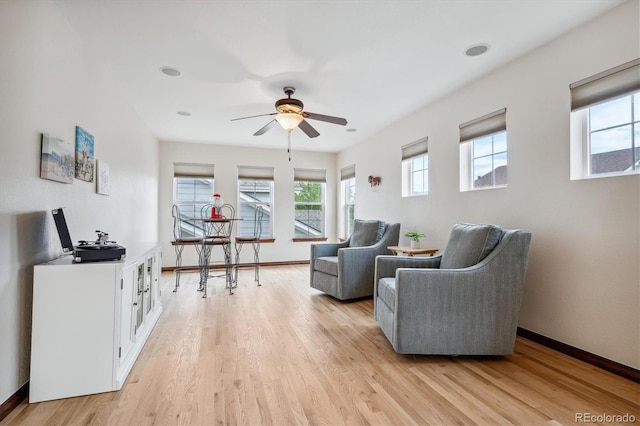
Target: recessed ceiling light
(172, 72)
(184, 113)
(351, 130)
(476, 49)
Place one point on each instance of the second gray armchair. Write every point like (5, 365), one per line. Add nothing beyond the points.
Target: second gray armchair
(463, 302)
(345, 270)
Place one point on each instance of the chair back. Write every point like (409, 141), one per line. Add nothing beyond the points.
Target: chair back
(218, 229)
(469, 244)
(175, 213)
(257, 222)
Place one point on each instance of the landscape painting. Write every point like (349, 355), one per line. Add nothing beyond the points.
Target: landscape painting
(85, 162)
(56, 161)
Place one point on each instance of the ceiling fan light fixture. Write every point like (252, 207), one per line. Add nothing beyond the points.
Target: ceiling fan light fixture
(289, 105)
(289, 120)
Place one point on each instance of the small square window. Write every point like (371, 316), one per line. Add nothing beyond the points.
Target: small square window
(415, 173)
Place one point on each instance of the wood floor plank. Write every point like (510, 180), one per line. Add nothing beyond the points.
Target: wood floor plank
(286, 354)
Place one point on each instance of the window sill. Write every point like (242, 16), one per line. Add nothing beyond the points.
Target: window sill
(607, 175)
(303, 240)
(484, 188)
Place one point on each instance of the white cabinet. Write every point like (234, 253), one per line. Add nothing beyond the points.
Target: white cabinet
(90, 322)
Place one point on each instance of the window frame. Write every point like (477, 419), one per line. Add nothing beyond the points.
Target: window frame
(321, 203)
(471, 132)
(587, 141)
(267, 231)
(409, 174)
(607, 86)
(348, 188)
(418, 149)
(196, 203)
(492, 155)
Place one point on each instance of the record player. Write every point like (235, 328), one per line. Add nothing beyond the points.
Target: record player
(98, 250)
(87, 251)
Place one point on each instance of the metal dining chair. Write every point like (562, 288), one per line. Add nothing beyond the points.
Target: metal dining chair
(254, 240)
(182, 238)
(217, 234)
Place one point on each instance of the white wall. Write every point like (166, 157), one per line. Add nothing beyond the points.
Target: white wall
(226, 160)
(49, 83)
(583, 282)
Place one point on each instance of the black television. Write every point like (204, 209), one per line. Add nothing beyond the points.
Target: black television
(63, 230)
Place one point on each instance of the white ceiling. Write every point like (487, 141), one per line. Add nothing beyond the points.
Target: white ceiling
(370, 61)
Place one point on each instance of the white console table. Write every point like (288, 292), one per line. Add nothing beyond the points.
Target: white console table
(91, 320)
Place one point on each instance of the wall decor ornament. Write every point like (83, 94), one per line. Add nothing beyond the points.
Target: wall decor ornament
(375, 180)
(56, 159)
(84, 155)
(102, 177)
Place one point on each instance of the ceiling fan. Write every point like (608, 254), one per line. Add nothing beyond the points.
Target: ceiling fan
(290, 115)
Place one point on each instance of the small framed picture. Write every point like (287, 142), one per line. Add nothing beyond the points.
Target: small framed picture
(84, 155)
(102, 179)
(56, 161)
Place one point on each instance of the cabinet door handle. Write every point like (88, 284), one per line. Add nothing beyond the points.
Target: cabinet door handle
(135, 303)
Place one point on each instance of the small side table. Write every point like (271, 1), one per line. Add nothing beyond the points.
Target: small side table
(411, 251)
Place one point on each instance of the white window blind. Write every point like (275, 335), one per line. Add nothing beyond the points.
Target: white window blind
(415, 149)
(486, 125)
(608, 84)
(348, 172)
(309, 175)
(193, 170)
(255, 172)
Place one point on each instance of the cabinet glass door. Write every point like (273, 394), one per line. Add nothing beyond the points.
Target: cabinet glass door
(149, 278)
(127, 312)
(140, 284)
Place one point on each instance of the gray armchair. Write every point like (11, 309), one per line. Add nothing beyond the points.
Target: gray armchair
(345, 270)
(465, 301)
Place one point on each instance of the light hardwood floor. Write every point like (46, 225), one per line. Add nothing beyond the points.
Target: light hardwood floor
(285, 354)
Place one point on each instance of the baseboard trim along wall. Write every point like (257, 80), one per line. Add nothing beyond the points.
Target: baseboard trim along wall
(593, 359)
(14, 400)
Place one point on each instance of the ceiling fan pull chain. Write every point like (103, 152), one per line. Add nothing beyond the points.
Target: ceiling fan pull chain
(289, 144)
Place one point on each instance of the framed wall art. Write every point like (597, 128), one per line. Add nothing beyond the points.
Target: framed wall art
(56, 160)
(84, 155)
(102, 177)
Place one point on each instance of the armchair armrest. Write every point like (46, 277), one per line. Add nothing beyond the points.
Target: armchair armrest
(326, 249)
(386, 265)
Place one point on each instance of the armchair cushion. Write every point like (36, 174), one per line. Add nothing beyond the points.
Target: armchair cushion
(328, 265)
(382, 228)
(387, 291)
(469, 244)
(365, 233)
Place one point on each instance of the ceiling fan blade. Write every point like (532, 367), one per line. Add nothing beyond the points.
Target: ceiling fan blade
(306, 127)
(268, 126)
(327, 118)
(253, 116)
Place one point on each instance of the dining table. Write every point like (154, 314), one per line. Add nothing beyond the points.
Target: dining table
(217, 232)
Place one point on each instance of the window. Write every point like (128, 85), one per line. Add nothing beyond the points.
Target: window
(605, 123)
(348, 189)
(490, 160)
(192, 189)
(255, 189)
(483, 152)
(614, 136)
(309, 188)
(415, 168)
